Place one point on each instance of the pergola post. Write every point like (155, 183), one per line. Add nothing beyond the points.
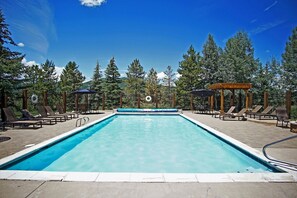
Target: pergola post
(250, 95)
(232, 97)
(265, 99)
(25, 99)
(246, 99)
(288, 102)
(222, 100)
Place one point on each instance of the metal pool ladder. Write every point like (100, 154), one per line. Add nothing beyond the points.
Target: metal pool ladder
(288, 165)
(81, 121)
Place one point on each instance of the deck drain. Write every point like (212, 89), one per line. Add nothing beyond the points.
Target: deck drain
(3, 139)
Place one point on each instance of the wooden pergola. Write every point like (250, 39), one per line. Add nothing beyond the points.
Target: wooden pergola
(232, 87)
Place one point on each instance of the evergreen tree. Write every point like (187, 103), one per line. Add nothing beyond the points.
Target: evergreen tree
(289, 64)
(210, 61)
(168, 83)
(50, 82)
(112, 85)
(191, 76)
(267, 79)
(96, 84)
(152, 85)
(11, 68)
(135, 83)
(237, 62)
(43, 78)
(71, 79)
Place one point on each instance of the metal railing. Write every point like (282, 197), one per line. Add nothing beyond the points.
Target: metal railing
(81, 121)
(288, 165)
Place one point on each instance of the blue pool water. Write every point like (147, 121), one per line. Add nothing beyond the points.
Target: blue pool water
(145, 110)
(143, 143)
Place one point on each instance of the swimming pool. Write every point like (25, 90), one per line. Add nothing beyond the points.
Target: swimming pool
(143, 143)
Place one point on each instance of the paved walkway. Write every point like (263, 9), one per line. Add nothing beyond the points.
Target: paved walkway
(253, 134)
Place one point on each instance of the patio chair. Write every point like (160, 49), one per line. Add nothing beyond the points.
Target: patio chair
(264, 113)
(282, 116)
(43, 113)
(12, 120)
(229, 112)
(254, 111)
(45, 120)
(50, 111)
(238, 115)
(61, 111)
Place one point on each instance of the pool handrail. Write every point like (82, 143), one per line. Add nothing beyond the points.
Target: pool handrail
(280, 162)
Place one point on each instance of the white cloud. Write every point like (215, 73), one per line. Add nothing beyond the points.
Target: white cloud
(59, 70)
(28, 63)
(269, 7)
(92, 3)
(34, 23)
(266, 27)
(21, 44)
(161, 75)
(177, 75)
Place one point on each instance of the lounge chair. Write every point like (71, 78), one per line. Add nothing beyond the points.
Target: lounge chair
(254, 111)
(45, 120)
(43, 113)
(12, 120)
(229, 112)
(50, 111)
(61, 111)
(264, 113)
(282, 116)
(238, 115)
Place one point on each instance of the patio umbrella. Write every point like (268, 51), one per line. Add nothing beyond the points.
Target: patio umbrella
(202, 92)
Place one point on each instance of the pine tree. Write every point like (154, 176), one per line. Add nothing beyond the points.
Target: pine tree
(96, 84)
(42, 79)
(210, 61)
(135, 83)
(71, 79)
(152, 85)
(191, 76)
(168, 83)
(237, 62)
(11, 68)
(289, 64)
(112, 85)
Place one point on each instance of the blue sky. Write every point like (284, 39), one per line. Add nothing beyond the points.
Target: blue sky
(156, 32)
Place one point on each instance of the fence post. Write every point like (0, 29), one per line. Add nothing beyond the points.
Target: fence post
(288, 102)
(64, 101)
(103, 101)
(265, 99)
(45, 101)
(121, 100)
(25, 99)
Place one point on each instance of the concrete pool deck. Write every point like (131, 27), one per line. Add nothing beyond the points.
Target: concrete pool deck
(255, 135)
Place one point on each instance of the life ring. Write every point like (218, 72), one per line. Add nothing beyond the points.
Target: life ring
(148, 98)
(34, 98)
